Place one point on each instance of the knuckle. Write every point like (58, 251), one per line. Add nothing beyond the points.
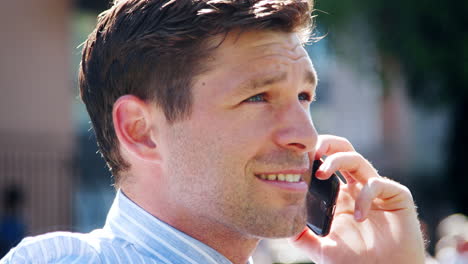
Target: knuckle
(332, 138)
(406, 191)
(375, 183)
(324, 140)
(345, 142)
(356, 155)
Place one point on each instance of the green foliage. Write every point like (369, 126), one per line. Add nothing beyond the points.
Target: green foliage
(429, 38)
(93, 5)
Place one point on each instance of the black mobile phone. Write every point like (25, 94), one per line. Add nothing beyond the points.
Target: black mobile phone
(321, 201)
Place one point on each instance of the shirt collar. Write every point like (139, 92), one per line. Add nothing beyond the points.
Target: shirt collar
(155, 238)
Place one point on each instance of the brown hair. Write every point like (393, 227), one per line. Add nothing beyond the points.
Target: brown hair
(154, 48)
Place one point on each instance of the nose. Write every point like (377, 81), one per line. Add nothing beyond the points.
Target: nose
(295, 129)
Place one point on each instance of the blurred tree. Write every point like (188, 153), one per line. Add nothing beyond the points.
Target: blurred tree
(94, 5)
(430, 41)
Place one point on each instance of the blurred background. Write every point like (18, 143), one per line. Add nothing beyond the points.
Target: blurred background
(393, 80)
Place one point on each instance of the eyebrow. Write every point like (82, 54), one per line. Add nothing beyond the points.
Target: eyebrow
(311, 78)
(259, 83)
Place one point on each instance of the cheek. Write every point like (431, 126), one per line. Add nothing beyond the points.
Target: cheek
(250, 126)
(199, 152)
(221, 144)
(205, 168)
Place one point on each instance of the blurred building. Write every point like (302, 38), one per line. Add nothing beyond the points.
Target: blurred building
(36, 134)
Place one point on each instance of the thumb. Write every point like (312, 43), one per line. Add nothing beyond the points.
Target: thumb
(308, 243)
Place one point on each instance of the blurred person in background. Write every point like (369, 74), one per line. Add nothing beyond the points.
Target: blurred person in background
(452, 247)
(201, 111)
(12, 227)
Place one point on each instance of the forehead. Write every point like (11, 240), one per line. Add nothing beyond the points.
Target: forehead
(237, 47)
(248, 55)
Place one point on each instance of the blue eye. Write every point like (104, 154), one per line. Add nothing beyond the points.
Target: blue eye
(304, 97)
(256, 98)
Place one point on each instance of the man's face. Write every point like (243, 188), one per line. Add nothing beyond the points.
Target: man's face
(250, 120)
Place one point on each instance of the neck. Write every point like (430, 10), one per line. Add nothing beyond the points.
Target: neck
(234, 246)
(227, 241)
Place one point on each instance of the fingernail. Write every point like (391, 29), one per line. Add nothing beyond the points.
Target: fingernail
(357, 214)
(319, 174)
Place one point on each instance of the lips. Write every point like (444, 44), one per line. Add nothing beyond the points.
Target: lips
(281, 177)
(289, 181)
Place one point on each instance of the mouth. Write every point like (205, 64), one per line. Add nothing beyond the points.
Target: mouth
(290, 181)
(281, 177)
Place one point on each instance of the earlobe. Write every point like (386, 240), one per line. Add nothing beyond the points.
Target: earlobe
(134, 127)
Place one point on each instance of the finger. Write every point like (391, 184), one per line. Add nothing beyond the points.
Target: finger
(308, 242)
(353, 164)
(349, 178)
(394, 197)
(346, 201)
(329, 144)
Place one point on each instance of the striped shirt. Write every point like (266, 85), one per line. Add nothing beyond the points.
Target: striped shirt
(130, 235)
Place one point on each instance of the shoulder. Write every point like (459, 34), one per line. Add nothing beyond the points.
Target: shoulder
(57, 247)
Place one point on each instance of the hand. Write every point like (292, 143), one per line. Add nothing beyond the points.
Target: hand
(375, 218)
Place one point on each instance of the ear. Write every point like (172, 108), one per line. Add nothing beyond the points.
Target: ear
(135, 128)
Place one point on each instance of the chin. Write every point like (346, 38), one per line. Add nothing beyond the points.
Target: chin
(288, 228)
